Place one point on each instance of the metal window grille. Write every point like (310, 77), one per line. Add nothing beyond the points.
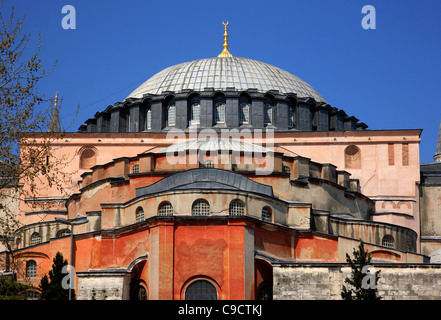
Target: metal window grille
(171, 115)
(209, 164)
(388, 241)
(166, 209)
(200, 290)
(35, 238)
(148, 117)
(266, 215)
(236, 208)
(31, 269)
(244, 113)
(139, 215)
(200, 208)
(135, 168)
(290, 117)
(220, 112)
(64, 232)
(268, 114)
(195, 116)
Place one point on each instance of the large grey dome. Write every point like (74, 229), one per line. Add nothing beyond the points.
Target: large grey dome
(220, 73)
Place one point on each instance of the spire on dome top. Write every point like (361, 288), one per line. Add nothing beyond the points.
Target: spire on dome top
(225, 53)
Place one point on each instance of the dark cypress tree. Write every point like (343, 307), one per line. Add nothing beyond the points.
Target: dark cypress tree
(362, 285)
(52, 289)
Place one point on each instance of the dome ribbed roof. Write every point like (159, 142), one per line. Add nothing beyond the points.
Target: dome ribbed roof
(220, 73)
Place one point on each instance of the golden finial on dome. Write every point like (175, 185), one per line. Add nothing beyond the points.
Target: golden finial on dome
(225, 53)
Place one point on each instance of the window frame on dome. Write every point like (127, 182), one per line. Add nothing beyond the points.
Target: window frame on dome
(139, 215)
(198, 210)
(171, 114)
(148, 118)
(35, 239)
(220, 105)
(268, 111)
(244, 104)
(194, 111)
(165, 209)
(236, 208)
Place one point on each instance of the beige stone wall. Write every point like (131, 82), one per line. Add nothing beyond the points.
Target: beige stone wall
(324, 282)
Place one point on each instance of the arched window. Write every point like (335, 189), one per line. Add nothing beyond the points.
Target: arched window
(268, 111)
(208, 164)
(139, 214)
(237, 208)
(31, 269)
(352, 157)
(200, 208)
(165, 209)
(87, 158)
(195, 111)
(244, 110)
(219, 109)
(148, 119)
(135, 168)
(141, 292)
(201, 290)
(291, 117)
(388, 241)
(35, 238)
(63, 232)
(267, 215)
(171, 114)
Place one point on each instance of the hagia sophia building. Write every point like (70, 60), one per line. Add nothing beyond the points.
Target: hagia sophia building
(230, 178)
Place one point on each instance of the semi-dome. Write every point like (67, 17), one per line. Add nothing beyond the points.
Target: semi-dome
(221, 73)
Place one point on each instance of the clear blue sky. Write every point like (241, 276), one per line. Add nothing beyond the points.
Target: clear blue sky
(388, 78)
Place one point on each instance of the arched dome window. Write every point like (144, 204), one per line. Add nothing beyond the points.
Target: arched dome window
(267, 215)
(63, 232)
(291, 113)
(244, 110)
(268, 110)
(165, 209)
(388, 241)
(201, 290)
(35, 238)
(195, 111)
(237, 208)
(148, 119)
(219, 109)
(200, 208)
(171, 114)
(140, 214)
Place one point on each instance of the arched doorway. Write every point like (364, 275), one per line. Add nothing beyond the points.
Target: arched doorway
(263, 279)
(138, 286)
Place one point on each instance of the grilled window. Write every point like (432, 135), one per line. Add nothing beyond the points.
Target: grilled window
(266, 214)
(200, 208)
(31, 269)
(201, 290)
(35, 238)
(166, 209)
(237, 208)
(388, 241)
(139, 215)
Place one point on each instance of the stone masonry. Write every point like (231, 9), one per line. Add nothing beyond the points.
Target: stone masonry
(324, 281)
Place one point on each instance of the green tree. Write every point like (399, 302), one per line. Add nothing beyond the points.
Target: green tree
(362, 284)
(10, 289)
(51, 287)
